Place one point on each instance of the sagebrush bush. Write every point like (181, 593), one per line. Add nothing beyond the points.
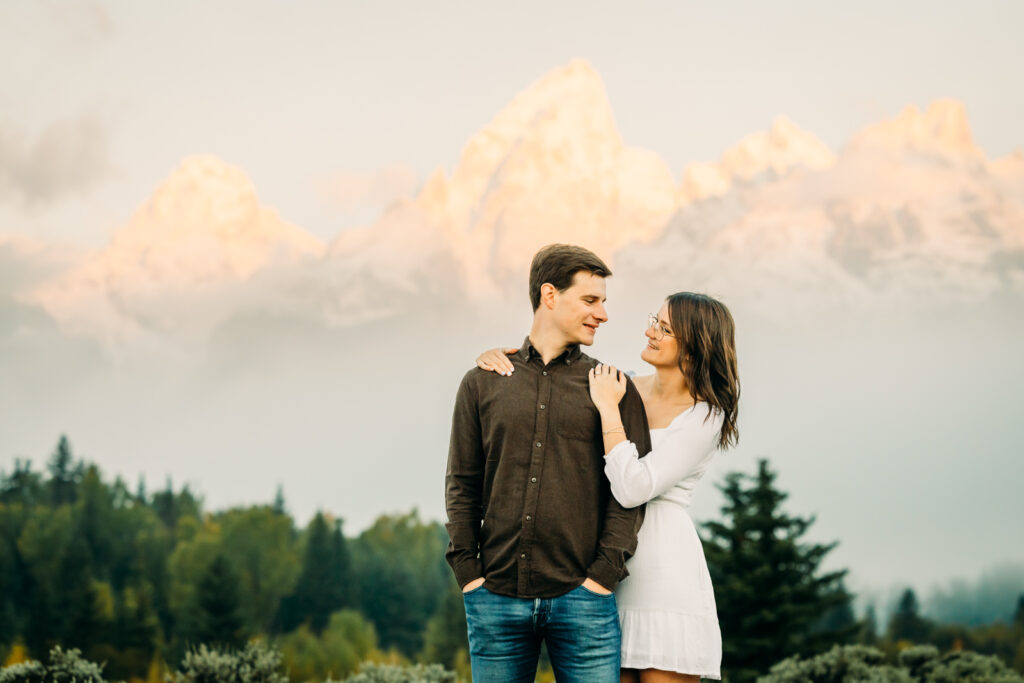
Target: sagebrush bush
(256, 663)
(63, 666)
(926, 664)
(388, 673)
(923, 664)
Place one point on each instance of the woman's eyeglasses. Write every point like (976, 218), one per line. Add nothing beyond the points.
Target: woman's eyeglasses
(660, 331)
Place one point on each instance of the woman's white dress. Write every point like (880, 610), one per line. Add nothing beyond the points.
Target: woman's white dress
(666, 604)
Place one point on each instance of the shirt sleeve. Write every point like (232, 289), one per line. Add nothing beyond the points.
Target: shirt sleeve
(464, 485)
(688, 442)
(621, 526)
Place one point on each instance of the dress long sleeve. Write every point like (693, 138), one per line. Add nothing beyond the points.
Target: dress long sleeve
(689, 442)
(621, 524)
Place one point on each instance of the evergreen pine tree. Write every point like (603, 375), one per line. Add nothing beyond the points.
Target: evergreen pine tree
(869, 627)
(1018, 617)
(95, 520)
(446, 631)
(64, 475)
(341, 568)
(219, 615)
(163, 505)
(840, 622)
(10, 585)
(170, 506)
(279, 507)
(22, 485)
(906, 623)
(78, 599)
(141, 497)
(771, 596)
(323, 583)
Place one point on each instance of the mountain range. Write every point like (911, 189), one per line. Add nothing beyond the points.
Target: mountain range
(909, 208)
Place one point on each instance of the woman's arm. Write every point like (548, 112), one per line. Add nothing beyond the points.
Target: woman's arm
(690, 439)
(607, 387)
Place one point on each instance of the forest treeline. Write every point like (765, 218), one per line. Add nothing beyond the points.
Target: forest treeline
(138, 579)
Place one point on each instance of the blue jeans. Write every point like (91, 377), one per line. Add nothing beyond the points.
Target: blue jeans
(581, 629)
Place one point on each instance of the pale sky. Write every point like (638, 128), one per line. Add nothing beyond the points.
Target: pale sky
(323, 103)
(100, 100)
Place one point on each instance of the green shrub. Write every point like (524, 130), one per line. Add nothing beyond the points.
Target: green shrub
(256, 663)
(927, 665)
(923, 664)
(348, 640)
(64, 666)
(387, 673)
(838, 665)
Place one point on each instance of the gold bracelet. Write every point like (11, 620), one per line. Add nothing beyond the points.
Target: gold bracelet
(617, 429)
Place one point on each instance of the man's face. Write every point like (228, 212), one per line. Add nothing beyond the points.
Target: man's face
(579, 310)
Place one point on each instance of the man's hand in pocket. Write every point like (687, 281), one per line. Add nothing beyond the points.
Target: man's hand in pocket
(595, 587)
(476, 583)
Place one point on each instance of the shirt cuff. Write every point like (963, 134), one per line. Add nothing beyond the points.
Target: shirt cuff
(467, 570)
(605, 573)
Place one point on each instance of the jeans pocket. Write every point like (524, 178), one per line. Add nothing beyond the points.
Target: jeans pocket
(475, 590)
(595, 593)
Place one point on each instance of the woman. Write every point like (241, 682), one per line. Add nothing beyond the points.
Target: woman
(666, 604)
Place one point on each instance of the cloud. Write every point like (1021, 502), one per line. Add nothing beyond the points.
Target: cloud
(25, 263)
(85, 22)
(352, 192)
(68, 156)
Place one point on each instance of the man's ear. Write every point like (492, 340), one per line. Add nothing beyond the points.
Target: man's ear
(547, 295)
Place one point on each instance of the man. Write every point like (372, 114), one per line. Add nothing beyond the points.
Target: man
(537, 540)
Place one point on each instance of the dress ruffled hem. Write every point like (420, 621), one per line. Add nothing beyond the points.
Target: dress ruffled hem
(671, 641)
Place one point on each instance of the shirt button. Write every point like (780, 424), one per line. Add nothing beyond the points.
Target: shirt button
(545, 373)
(539, 444)
(522, 555)
(568, 362)
(542, 406)
(528, 518)
(533, 480)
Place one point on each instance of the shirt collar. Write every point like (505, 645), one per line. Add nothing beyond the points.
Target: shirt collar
(528, 351)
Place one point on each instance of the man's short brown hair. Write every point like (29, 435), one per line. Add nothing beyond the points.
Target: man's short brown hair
(558, 263)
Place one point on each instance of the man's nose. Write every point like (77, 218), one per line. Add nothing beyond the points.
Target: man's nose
(601, 313)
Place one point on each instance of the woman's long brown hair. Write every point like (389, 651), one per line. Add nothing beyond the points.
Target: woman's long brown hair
(707, 355)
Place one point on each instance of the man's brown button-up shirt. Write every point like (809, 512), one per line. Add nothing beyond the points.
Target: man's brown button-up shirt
(529, 507)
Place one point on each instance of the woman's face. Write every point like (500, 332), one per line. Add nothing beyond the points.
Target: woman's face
(662, 347)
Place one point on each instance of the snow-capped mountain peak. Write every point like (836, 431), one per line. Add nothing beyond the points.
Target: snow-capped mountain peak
(782, 147)
(202, 231)
(550, 167)
(567, 104)
(942, 129)
(206, 200)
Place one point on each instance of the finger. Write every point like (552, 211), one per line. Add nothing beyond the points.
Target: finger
(510, 350)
